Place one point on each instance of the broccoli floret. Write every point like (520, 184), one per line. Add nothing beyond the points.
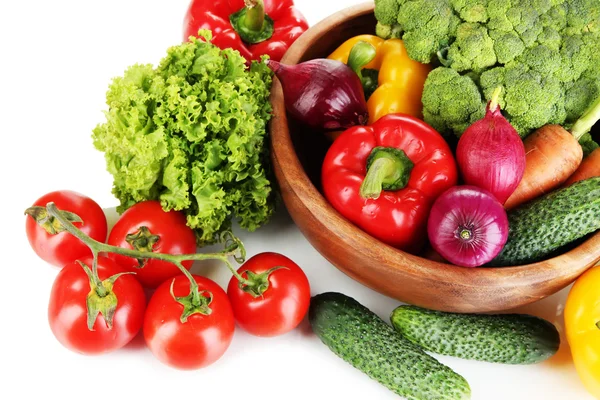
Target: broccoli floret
(471, 10)
(545, 53)
(525, 21)
(428, 27)
(587, 144)
(579, 96)
(583, 16)
(508, 46)
(555, 18)
(550, 38)
(451, 102)
(473, 49)
(388, 31)
(386, 11)
(541, 59)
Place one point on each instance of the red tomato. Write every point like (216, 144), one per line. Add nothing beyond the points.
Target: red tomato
(199, 341)
(64, 248)
(67, 312)
(281, 307)
(172, 234)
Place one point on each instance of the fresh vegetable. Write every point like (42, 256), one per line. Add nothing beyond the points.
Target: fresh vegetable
(550, 222)
(544, 54)
(490, 153)
(322, 94)
(365, 341)
(47, 237)
(589, 168)
(553, 155)
(252, 27)
(197, 338)
(147, 227)
(467, 226)
(277, 298)
(582, 325)
(392, 81)
(177, 342)
(191, 134)
(94, 314)
(385, 177)
(500, 338)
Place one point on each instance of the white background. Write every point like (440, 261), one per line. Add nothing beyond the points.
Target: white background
(57, 58)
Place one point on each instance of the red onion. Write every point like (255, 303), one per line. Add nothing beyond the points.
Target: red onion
(467, 226)
(322, 93)
(491, 154)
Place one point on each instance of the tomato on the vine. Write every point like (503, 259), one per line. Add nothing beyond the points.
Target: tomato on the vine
(147, 227)
(195, 340)
(55, 246)
(68, 308)
(276, 301)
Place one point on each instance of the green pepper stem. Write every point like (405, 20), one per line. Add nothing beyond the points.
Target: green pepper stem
(251, 23)
(255, 16)
(177, 259)
(587, 120)
(388, 168)
(372, 186)
(361, 54)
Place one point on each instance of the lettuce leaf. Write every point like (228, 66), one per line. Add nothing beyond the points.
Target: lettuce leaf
(192, 133)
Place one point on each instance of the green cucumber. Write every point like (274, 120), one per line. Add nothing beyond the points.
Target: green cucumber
(544, 225)
(500, 338)
(365, 341)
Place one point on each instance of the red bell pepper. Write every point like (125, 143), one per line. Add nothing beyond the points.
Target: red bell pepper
(385, 177)
(253, 27)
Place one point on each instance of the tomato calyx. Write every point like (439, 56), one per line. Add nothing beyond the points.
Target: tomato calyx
(257, 284)
(197, 302)
(101, 299)
(142, 240)
(48, 222)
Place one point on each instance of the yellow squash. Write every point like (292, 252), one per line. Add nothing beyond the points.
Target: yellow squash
(582, 324)
(400, 80)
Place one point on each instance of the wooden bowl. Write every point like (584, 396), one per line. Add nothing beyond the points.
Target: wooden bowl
(297, 155)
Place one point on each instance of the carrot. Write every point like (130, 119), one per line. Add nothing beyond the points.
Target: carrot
(589, 168)
(552, 155)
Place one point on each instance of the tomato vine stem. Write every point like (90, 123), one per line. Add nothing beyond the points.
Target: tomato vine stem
(234, 249)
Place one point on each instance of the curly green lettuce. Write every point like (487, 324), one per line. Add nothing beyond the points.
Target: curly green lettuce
(192, 134)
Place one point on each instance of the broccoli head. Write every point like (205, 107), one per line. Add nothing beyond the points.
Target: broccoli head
(473, 49)
(386, 11)
(544, 53)
(428, 25)
(451, 102)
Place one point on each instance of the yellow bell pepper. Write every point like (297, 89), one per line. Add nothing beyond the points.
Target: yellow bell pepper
(400, 79)
(582, 325)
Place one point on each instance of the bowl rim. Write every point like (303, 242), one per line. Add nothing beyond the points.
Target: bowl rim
(566, 266)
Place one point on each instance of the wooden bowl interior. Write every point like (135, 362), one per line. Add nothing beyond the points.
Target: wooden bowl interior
(298, 153)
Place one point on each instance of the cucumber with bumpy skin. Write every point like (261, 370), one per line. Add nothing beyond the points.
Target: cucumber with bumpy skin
(365, 341)
(505, 338)
(542, 226)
